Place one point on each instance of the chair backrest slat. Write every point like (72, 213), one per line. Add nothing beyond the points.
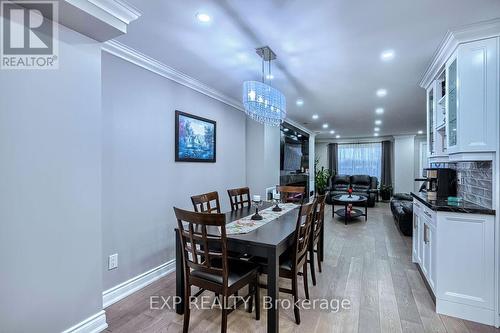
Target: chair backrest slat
(203, 202)
(202, 248)
(319, 216)
(303, 232)
(239, 198)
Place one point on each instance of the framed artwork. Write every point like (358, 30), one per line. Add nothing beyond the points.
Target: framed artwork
(195, 138)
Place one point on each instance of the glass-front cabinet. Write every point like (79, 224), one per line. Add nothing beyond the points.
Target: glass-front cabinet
(430, 120)
(452, 106)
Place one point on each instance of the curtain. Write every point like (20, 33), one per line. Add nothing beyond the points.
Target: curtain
(333, 158)
(360, 159)
(386, 178)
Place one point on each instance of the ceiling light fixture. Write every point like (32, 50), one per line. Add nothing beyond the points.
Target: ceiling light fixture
(337, 136)
(332, 132)
(315, 116)
(262, 102)
(381, 92)
(299, 102)
(378, 122)
(376, 129)
(420, 132)
(375, 134)
(285, 130)
(325, 125)
(387, 55)
(379, 110)
(203, 17)
(269, 76)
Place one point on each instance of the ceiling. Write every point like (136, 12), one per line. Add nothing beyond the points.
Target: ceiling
(328, 52)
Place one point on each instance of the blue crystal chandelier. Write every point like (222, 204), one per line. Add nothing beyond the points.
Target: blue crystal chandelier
(262, 102)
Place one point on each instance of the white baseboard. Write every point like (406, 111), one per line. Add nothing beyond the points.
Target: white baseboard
(128, 287)
(465, 311)
(94, 324)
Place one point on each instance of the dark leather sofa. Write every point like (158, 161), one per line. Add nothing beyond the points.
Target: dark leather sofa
(361, 185)
(402, 210)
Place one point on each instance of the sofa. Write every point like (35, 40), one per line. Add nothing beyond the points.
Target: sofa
(402, 210)
(361, 185)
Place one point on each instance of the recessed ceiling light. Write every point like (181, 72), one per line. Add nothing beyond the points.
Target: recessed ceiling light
(375, 134)
(269, 76)
(337, 136)
(376, 129)
(381, 92)
(378, 122)
(315, 116)
(332, 132)
(387, 55)
(325, 125)
(420, 132)
(285, 129)
(203, 17)
(299, 135)
(379, 110)
(299, 102)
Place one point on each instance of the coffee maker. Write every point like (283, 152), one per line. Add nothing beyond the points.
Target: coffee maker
(441, 183)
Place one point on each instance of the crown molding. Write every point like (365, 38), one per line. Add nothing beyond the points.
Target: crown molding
(450, 42)
(137, 58)
(119, 9)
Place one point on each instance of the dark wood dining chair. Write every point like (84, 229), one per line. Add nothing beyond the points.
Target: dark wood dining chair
(206, 202)
(239, 198)
(295, 194)
(207, 264)
(316, 230)
(295, 260)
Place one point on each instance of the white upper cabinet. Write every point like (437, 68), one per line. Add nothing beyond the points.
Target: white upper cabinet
(477, 101)
(463, 89)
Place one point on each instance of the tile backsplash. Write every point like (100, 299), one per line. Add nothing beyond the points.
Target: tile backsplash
(475, 181)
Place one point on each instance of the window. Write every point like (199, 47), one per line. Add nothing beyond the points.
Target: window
(360, 159)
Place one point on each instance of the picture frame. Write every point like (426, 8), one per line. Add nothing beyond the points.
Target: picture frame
(195, 138)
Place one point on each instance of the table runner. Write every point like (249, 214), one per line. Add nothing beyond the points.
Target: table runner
(246, 224)
(345, 197)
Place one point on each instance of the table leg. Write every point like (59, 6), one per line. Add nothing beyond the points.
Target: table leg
(273, 291)
(345, 215)
(366, 211)
(179, 274)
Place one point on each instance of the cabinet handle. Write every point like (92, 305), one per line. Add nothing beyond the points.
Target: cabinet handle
(426, 237)
(414, 222)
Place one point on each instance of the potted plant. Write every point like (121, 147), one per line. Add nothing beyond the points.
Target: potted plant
(386, 192)
(321, 177)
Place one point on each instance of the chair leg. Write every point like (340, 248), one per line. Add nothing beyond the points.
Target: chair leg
(187, 313)
(295, 299)
(306, 287)
(257, 299)
(311, 259)
(319, 262)
(223, 325)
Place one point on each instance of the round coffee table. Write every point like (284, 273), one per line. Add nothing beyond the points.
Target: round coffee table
(346, 200)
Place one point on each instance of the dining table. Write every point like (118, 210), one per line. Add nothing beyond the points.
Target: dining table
(269, 241)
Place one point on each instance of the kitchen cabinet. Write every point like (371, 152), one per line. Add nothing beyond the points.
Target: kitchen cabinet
(463, 101)
(455, 253)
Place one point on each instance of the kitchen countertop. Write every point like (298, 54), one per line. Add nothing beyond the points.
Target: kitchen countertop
(459, 207)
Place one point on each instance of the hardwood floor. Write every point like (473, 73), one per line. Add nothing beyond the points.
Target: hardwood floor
(368, 263)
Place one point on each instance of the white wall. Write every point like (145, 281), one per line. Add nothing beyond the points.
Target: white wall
(50, 197)
(404, 163)
(321, 153)
(141, 180)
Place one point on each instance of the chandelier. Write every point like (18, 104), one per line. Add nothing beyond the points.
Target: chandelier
(262, 102)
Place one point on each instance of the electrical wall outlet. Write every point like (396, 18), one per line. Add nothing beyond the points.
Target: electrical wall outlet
(113, 261)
